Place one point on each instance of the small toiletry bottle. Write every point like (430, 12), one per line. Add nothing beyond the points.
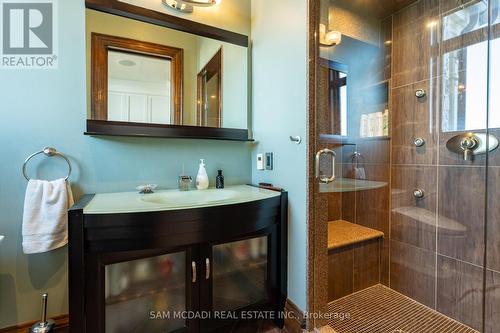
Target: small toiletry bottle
(363, 131)
(379, 120)
(386, 122)
(202, 178)
(372, 124)
(219, 180)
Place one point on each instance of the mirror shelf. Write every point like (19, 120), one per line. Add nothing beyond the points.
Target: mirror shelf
(119, 128)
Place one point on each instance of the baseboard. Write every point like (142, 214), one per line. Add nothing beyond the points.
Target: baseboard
(295, 321)
(62, 326)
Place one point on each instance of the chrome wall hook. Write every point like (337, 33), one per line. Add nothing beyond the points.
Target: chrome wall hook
(297, 139)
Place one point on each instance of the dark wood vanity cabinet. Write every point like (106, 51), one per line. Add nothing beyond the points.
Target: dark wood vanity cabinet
(191, 270)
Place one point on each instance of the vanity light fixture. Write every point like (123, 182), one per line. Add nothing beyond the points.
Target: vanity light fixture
(432, 24)
(187, 6)
(330, 38)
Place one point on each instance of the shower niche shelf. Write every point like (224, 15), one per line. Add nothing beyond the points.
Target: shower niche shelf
(346, 140)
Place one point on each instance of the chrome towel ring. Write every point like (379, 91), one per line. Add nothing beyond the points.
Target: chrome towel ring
(49, 152)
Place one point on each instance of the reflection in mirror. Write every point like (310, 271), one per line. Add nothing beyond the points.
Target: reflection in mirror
(147, 74)
(465, 68)
(337, 86)
(209, 93)
(354, 90)
(357, 100)
(139, 88)
(135, 81)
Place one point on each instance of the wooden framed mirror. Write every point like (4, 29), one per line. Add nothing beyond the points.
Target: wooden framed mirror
(135, 81)
(194, 78)
(209, 87)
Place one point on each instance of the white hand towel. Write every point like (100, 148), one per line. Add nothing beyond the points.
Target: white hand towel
(45, 218)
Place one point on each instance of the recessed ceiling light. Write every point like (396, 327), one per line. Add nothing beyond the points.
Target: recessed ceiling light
(127, 63)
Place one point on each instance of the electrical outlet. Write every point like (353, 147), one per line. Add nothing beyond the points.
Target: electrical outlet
(260, 161)
(269, 161)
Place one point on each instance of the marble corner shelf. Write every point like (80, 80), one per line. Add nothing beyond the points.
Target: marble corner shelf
(351, 185)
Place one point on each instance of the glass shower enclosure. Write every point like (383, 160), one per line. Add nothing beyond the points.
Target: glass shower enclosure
(407, 183)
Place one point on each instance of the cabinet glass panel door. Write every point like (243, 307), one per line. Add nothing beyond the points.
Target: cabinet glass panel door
(142, 295)
(239, 274)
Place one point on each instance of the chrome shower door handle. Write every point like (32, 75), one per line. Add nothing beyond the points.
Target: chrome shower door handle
(325, 180)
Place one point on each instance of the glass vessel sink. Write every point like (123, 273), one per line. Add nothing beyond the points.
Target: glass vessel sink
(131, 202)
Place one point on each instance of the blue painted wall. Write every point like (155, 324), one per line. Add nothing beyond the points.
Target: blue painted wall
(279, 55)
(39, 108)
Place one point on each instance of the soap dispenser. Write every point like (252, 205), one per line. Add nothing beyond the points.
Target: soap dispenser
(202, 177)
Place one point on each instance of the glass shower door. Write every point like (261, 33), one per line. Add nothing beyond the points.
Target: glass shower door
(492, 273)
(434, 67)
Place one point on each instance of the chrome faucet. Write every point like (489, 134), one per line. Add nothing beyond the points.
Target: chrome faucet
(469, 144)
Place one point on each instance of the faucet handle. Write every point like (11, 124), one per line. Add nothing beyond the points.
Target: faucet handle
(468, 144)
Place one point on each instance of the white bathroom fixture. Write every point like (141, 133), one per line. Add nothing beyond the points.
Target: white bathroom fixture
(187, 6)
(329, 38)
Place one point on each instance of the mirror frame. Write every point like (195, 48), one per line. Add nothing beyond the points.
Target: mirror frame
(114, 128)
(101, 45)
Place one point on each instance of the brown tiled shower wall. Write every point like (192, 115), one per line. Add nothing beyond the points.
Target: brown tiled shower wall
(437, 243)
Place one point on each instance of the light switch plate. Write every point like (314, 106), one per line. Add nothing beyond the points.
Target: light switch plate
(260, 161)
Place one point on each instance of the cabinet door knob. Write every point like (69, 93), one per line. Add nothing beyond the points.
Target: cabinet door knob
(193, 272)
(207, 268)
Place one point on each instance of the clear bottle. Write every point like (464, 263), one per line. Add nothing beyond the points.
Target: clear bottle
(386, 122)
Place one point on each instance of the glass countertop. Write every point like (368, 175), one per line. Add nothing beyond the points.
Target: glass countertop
(133, 202)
